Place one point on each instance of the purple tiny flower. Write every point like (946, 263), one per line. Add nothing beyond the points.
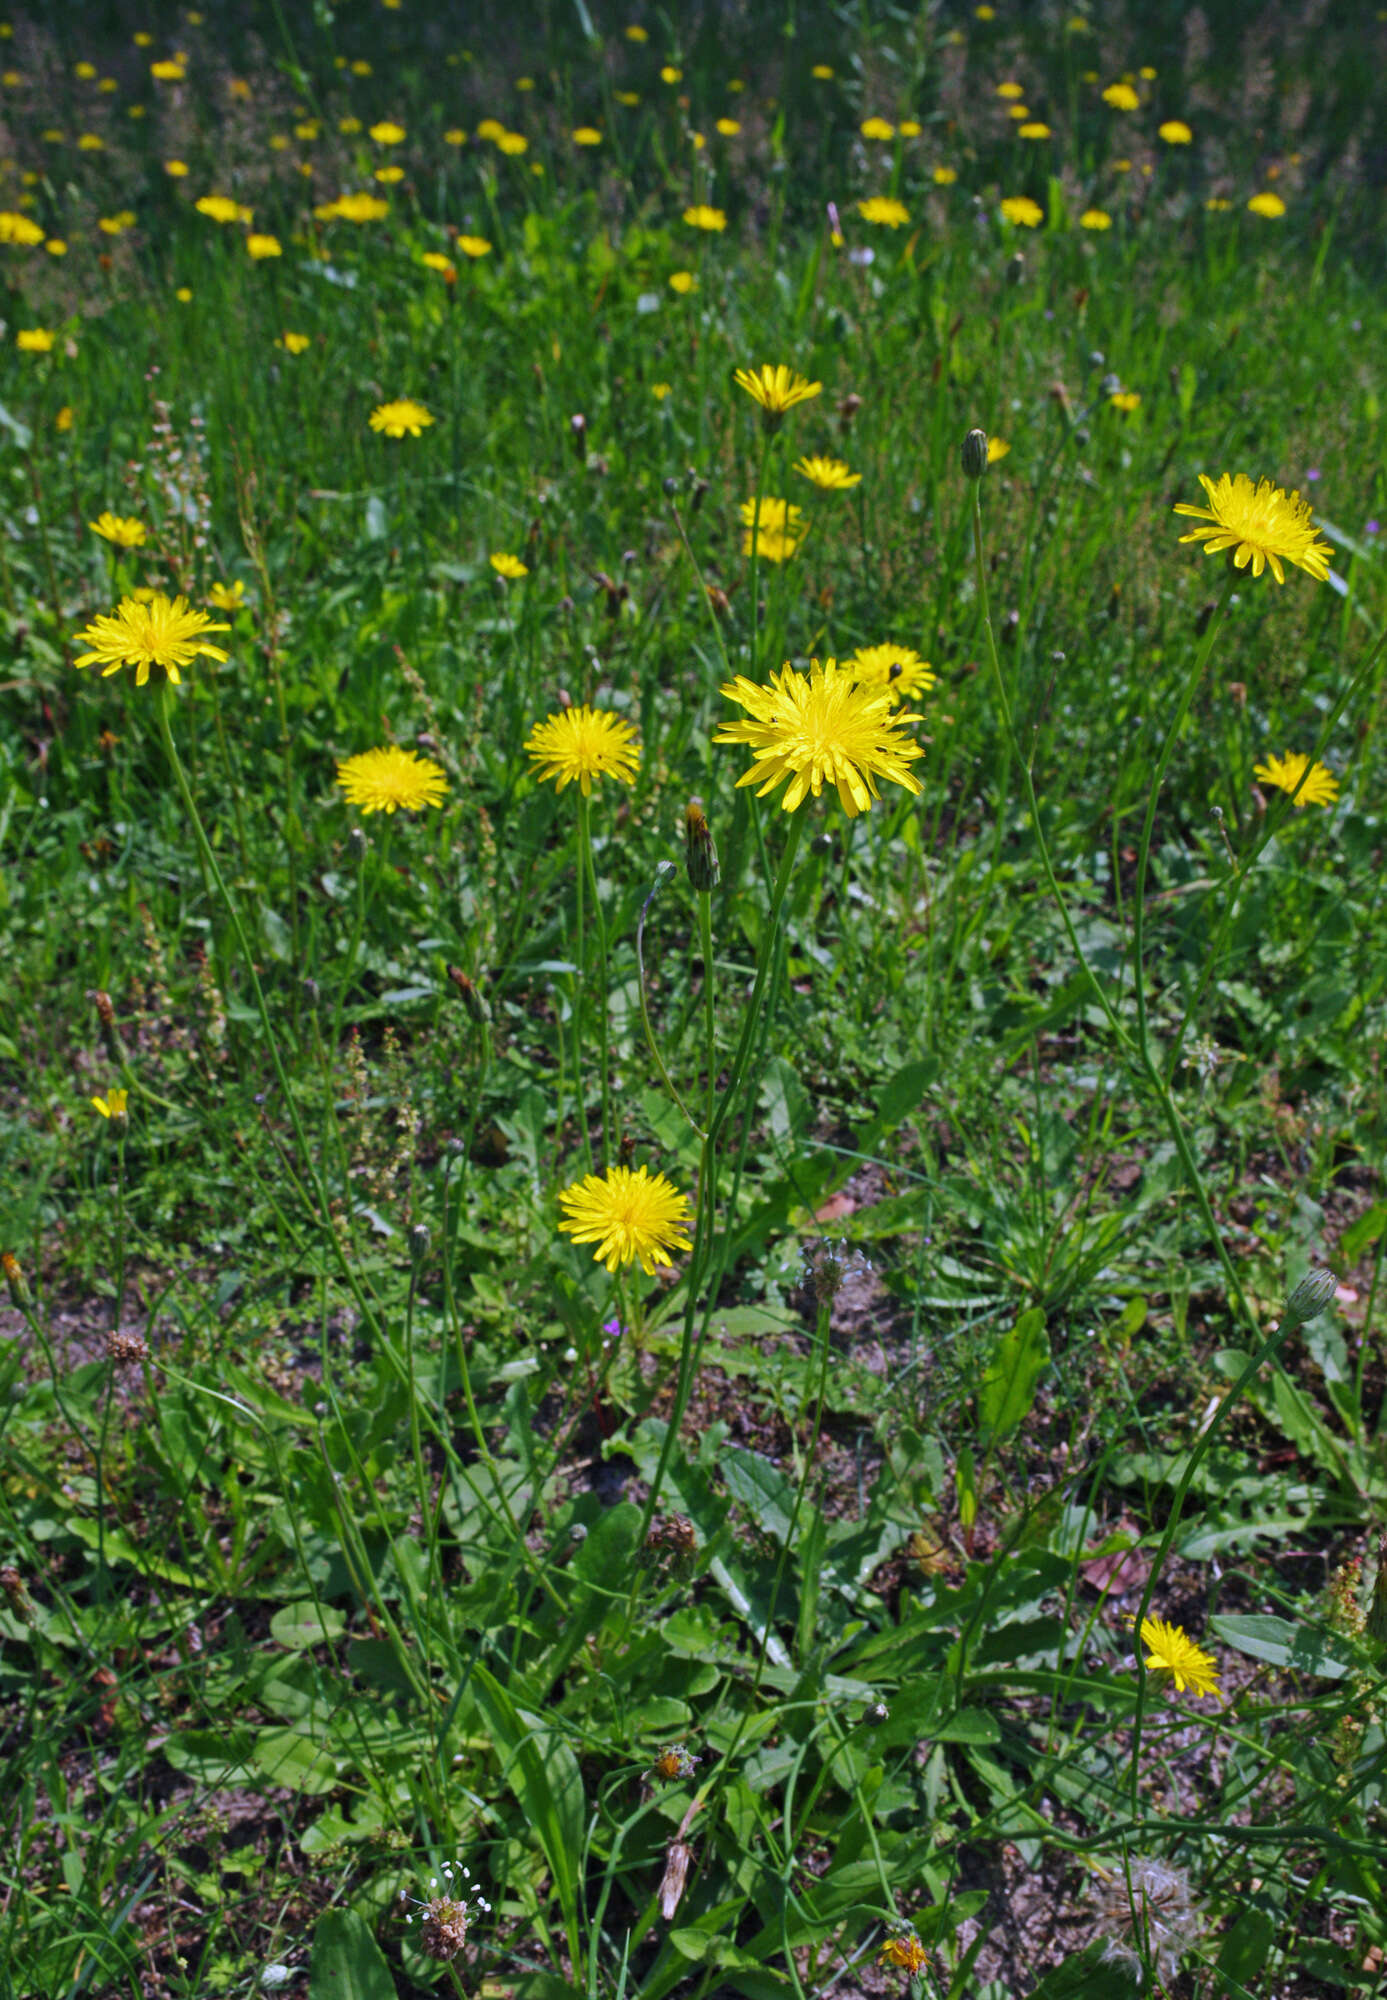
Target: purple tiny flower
(611, 1326)
(1312, 475)
(1372, 529)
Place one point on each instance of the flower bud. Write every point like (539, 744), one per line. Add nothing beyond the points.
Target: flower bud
(700, 854)
(1309, 1299)
(419, 1241)
(875, 1713)
(1016, 269)
(475, 1001)
(975, 454)
(578, 426)
(14, 1278)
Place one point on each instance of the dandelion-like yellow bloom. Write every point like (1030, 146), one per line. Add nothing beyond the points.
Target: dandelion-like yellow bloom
(117, 224)
(1034, 128)
(400, 418)
(455, 136)
(877, 128)
(1095, 218)
(159, 632)
(167, 72)
(1011, 90)
(1267, 204)
(775, 531)
(176, 169)
(830, 475)
(822, 72)
(1175, 132)
(823, 727)
(1321, 787)
(1175, 1654)
(123, 529)
(221, 208)
(263, 246)
(587, 135)
(357, 208)
(659, 390)
(474, 246)
(391, 780)
(17, 228)
(683, 282)
(294, 343)
(627, 1213)
(1262, 525)
(671, 73)
(512, 144)
(777, 389)
(897, 669)
(34, 340)
(944, 176)
(91, 142)
(1121, 97)
(388, 175)
(583, 743)
(387, 133)
(997, 448)
(701, 216)
(508, 565)
(903, 1950)
(434, 260)
(728, 128)
(884, 209)
(1025, 213)
(63, 418)
(112, 1105)
(227, 596)
(1125, 400)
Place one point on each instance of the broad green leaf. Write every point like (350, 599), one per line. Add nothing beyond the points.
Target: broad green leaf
(762, 1488)
(346, 1962)
(1359, 1235)
(286, 1757)
(306, 1624)
(1306, 1648)
(543, 1773)
(1009, 1383)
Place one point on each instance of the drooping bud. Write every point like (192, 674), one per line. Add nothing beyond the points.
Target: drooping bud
(1309, 1299)
(975, 454)
(700, 853)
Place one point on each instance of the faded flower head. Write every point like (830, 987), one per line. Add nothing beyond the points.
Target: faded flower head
(446, 1913)
(677, 1761)
(903, 1951)
(1149, 1916)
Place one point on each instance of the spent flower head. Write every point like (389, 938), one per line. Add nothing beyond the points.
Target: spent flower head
(1148, 1914)
(1263, 525)
(446, 1914)
(823, 727)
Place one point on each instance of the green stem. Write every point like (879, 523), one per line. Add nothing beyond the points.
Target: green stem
(599, 924)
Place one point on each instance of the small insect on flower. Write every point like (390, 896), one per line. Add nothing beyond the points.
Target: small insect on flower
(627, 1214)
(583, 743)
(390, 780)
(903, 1950)
(1263, 525)
(446, 1913)
(402, 418)
(1320, 788)
(1175, 1656)
(675, 1762)
(123, 529)
(899, 669)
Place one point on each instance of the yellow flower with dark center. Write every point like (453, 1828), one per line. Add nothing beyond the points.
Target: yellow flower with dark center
(897, 669)
(777, 389)
(160, 632)
(1262, 524)
(1021, 210)
(1125, 400)
(773, 533)
(882, 208)
(997, 448)
(508, 565)
(1121, 97)
(17, 228)
(387, 133)
(1267, 204)
(830, 475)
(1174, 1655)
(261, 247)
(587, 135)
(1033, 129)
(293, 343)
(1321, 787)
(34, 340)
(112, 1105)
(474, 246)
(221, 208)
(877, 128)
(227, 596)
(701, 216)
(1095, 218)
(903, 1950)
(682, 282)
(123, 529)
(583, 743)
(627, 1214)
(391, 780)
(824, 727)
(400, 418)
(1175, 132)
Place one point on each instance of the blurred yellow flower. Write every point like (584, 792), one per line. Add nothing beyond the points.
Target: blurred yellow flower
(728, 127)
(1125, 400)
(1121, 97)
(261, 247)
(227, 596)
(1025, 213)
(1268, 204)
(945, 176)
(474, 246)
(455, 136)
(823, 72)
(898, 669)
(387, 133)
(349, 127)
(776, 535)
(883, 209)
(877, 128)
(434, 260)
(399, 418)
(1010, 89)
(221, 208)
(830, 475)
(168, 72)
(996, 448)
(659, 390)
(293, 343)
(17, 228)
(62, 419)
(34, 340)
(354, 208)
(1033, 129)
(587, 135)
(125, 530)
(682, 282)
(176, 169)
(56, 247)
(1095, 218)
(776, 388)
(671, 74)
(89, 142)
(512, 143)
(636, 33)
(112, 1105)
(700, 216)
(508, 565)
(1175, 132)
(389, 175)
(1320, 788)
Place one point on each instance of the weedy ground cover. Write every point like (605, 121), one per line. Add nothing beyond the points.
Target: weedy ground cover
(694, 980)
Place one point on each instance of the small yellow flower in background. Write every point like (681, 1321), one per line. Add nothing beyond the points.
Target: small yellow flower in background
(112, 1105)
(34, 339)
(512, 143)
(1262, 525)
(142, 39)
(823, 727)
(777, 389)
(1175, 1654)
(17, 228)
(474, 246)
(945, 176)
(167, 72)
(671, 74)
(227, 596)
(776, 535)
(996, 448)
(293, 343)
(830, 475)
(349, 127)
(1175, 132)
(176, 169)
(388, 175)
(985, 13)
(524, 83)
(1268, 204)
(184, 295)
(391, 780)
(1122, 166)
(910, 128)
(627, 1214)
(1321, 787)
(659, 390)
(491, 129)
(700, 216)
(583, 743)
(1010, 90)
(1033, 129)
(85, 70)
(822, 72)
(117, 224)
(1125, 400)
(682, 282)
(877, 128)
(240, 89)
(636, 33)
(1019, 111)
(627, 97)
(508, 565)
(221, 208)
(123, 529)
(1121, 97)
(729, 127)
(897, 669)
(1025, 213)
(400, 417)
(903, 1950)
(387, 133)
(354, 208)
(161, 632)
(279, 142)
(90, 142)
(1095, 218)
(307, 129)
(587, 135)
(261, 247)
(455, 136)
(62, 419)
(882, 208)
(360, 67)
(434, 260)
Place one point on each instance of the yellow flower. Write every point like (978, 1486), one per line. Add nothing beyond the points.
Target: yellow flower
(293, 343)
(587, 135)
(34, 340)
(903, 1950)
(112, 1105)
(1121, 97)
(985, 13)
(776, 534)
(898, 669)
(1261, 524)
(183, 295)
(636, 33)
(700, 216)
(1122, 166)
(85, 70)
(1018, 111)
(524, 83)
(945, 176)
(1268, 204)
(508, 565)
(659, 390)
(777, 389)
(822, 72)
(389, 175)
(1025, 213)
(399, 417)
(910, 128)
(261, 247)
(1216, 203)
(882, 208)
(221, 208)
(123, 529)
(996, 448)
(387, 133)
(512, 143)
(1010, 90)
(62, 419)
(824, 727)
(583, 743)
(455, 136)
(1175, 1654)
(390, 780)
(1125, 400)
(167, 72)
(1033, 129)
(671, 74)
(434, 260)
(1095, 218)
(360, 67)
(142, 39)
(90, 142)
(117, 224)
(357, 208)
(729, 127)
(17, 228)
(56, 247)
(627, 1215)
(164, 632)
(307, 129)
(627, 97)
(349, 127)
(227, 596)
(1320, 788)
(491, 129)
(682, 282)
(830, 475)
(176, 169)
(1175, 132)
(240, 89)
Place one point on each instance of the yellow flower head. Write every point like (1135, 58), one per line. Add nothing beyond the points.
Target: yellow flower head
(90, 142)
(822, 72)
(474, 246)
(227, 596)
(898, 669)
(1025, 213)
(1095, 218)
(877, 128)
(683, 282)
(387, 133)
(830, 475)
(1175, 132)
(944, 176)
(455, 136)
(62, 419)
(671, 73)
(112, 1105)
(388, 176)
(903, 1951)
(122, 529)
(636, 33)
(1125, 400)
(293, 343)
(997, 448)
(700, 216)
(400, 417)
(1174, 1654)
(434, 260)
(823, 727)
(1121, 97)
(728, 127)
(34, 340)
(117, 224)
(261, 247)
(1320, 788)
(167, 72)
(777, 389)
(160, 632)
(774, 531)
(355, 208)
(1262, 525)
(508, 565)
(1011, 90)
(1268, 204)
(882, 208)
(587, 135)
(390, 780)
(583, 743)
(1034, 128)
(221, 208)
(176, 169)
(659, 390)
(17, 228)
(512, 144)
(627, 1214)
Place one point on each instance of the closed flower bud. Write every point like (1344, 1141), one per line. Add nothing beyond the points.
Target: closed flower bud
(700, 854)
(975, 454)
(1016, 269)
(875, 1713)
(14, 1278)
(419, 1241)
(1309, 1299)
(473, 999)
(578, 425)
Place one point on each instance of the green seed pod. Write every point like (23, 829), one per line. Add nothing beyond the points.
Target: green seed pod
(975, 454)
(1309, 1299)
